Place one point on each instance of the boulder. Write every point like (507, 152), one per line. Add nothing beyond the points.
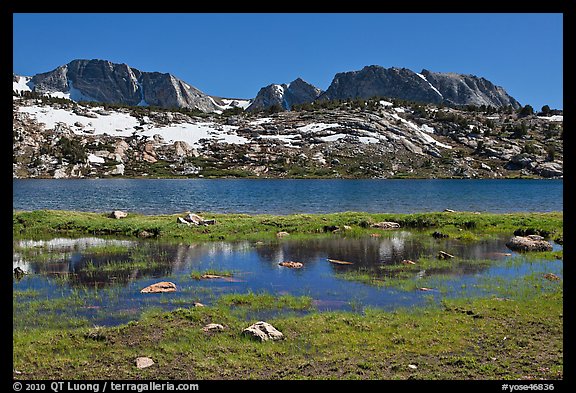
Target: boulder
(386, 225)
(263, 331)
(196, 220)
(550, 169)
(143, 362)
(551, 277)
(528, 243)
(290, 264)
(213, 327)
(19, 273)
(117, 214)
(160, 287)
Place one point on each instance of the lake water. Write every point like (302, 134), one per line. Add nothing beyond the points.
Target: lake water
(287, 196)
(105, 288)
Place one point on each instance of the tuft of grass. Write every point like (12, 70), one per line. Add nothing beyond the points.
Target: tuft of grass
(198, 275)
(265, 301)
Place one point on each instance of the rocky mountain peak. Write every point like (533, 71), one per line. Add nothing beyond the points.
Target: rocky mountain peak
(285, 95)
(104, 81)
(431, 87)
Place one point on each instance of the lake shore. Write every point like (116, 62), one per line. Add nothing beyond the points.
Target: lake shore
(265, 227)
(516, 336)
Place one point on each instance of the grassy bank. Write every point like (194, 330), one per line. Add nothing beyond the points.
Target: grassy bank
(514, 334)
(485, 339)
(231, 227)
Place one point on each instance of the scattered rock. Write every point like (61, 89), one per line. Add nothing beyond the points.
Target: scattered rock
(180, 220)
(386, 225)
(143, 362)
(528, 243)
(160, 287)
(551, 277)
(439, 235)
(19, 273)
(338, 262)
(263, 331)
(213, 327)
(145, 234)
(195, 219)
(118, 214)
(282, 234)
(290, 264)
(444, 255)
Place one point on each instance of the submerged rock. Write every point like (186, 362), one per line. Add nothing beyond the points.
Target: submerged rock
(291, 264)
(528, 243)
(160, 287)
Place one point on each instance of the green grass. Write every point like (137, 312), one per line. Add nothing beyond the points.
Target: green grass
(261, 301)
(231, 227)
(197, 275)
(466, 338)
(471, 339)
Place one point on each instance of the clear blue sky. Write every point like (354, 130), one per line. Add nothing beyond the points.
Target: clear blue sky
(234, 55)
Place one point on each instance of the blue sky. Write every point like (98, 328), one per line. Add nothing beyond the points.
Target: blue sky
(235, 54)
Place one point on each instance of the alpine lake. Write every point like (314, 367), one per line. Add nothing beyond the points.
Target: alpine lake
(440, 296)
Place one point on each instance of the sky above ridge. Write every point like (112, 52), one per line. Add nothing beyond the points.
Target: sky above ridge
(233, 55)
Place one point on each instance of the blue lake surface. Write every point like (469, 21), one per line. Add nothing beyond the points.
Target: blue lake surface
(288, 196)
(109, 297)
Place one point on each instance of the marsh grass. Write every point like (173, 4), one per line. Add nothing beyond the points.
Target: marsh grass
(198, 275)
(479, 338)
(514, 333)
(261, 301)
(426, 272)
(230, 227)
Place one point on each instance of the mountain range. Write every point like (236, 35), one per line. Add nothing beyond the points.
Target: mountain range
(107, 82)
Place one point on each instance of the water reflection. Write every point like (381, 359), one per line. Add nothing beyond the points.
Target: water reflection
(125, 267)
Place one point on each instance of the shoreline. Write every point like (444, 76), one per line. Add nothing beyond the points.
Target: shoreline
(267, 227)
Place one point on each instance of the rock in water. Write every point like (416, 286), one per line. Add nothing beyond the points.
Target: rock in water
(160, 287)
(291, 264)
(528, 243)
(263, 331)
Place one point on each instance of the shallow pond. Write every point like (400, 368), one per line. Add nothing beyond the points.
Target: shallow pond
(100, 280)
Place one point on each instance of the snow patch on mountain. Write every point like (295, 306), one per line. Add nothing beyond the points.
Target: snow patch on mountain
(317, 127)
(433, 88)
(22, 83)
(124, 125)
